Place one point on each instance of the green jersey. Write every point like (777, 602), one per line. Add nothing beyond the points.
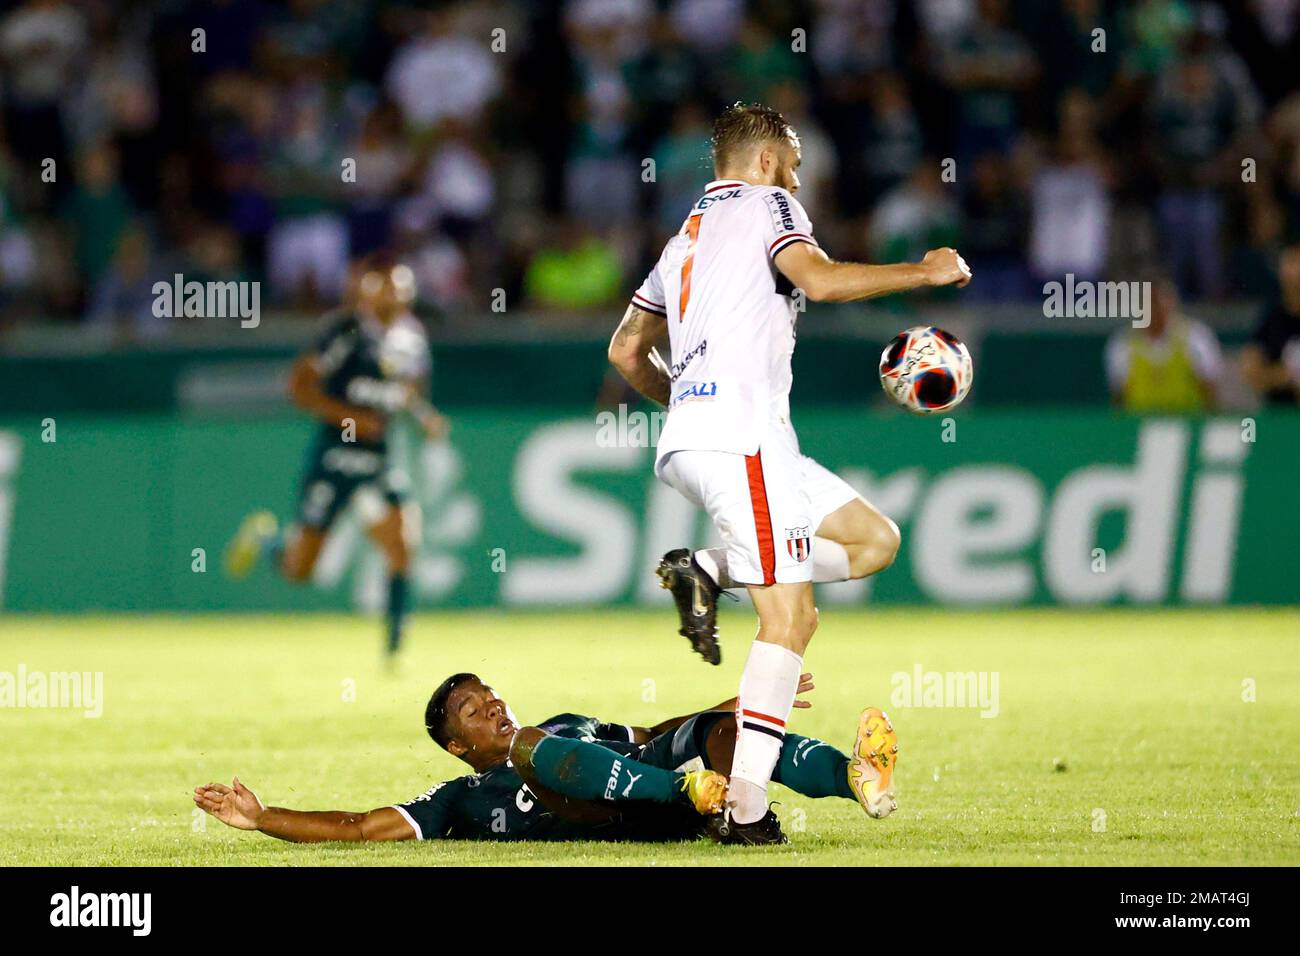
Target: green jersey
(497, 805)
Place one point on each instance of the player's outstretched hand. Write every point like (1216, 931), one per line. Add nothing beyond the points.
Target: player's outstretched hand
(235, 806)
(805, 684)
(946, 267)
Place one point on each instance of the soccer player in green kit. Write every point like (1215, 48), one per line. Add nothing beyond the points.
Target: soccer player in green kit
(568, 778)
(370, 364)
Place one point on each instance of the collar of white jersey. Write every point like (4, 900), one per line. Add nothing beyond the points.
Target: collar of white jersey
(723, 184)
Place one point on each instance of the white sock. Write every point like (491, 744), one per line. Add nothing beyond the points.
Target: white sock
(830, 561)
(767, 688)
(714, 563)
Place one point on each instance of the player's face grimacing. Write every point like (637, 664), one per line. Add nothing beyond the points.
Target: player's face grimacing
(480, 723)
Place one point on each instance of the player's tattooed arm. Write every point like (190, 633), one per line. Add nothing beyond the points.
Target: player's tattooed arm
(629, 352)
(641, 735)
(238, 807)
(822, 279)
(306, 392)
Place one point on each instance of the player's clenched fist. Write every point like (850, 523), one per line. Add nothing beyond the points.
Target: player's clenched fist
(945, 267)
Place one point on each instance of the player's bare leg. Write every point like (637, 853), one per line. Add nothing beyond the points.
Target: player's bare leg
(854, 541)
(390, 535)
(787, 618)
(301, 549)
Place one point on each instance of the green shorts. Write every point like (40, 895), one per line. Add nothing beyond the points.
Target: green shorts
(684, 748)
(336, 473)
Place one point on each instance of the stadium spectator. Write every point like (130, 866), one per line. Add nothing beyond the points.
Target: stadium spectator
(894, 142)
(1196, 118)
(1070, 200)
(917, 215)
(1143, 141)
(97, 212)
(1174, 365)
(1271, 360)
(121, 305)
(995, 223)
(442, 73)
(989, 67)
(580, 271)
(40, 43)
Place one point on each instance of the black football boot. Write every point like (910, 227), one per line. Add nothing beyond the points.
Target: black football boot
(696, 595)
(762, 832)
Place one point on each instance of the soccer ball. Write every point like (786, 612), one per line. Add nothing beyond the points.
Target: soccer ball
(926, 370)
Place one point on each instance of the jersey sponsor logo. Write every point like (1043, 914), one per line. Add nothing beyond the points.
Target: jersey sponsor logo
(428, 794)
(782, 214)
(376, 393)
(631, 782)
(696, 392)
(797, 543)
(675, 372)
(352, 461)
(707, 201)
(612, 785)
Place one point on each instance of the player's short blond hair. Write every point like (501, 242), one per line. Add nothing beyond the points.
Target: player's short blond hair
(743, 126)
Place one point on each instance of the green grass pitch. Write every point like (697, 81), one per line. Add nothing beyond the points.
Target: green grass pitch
(1122, 737)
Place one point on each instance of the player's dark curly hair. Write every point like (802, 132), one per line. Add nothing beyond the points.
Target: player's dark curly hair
(742, 125)
(435, 714)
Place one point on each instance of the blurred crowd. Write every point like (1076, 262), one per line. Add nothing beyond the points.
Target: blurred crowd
(546, 149)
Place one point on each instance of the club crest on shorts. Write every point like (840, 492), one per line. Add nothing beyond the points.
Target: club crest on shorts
(797, 543)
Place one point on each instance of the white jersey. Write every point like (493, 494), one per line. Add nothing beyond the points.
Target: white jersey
(730, 317)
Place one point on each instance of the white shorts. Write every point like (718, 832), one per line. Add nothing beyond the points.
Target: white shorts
(766, 506)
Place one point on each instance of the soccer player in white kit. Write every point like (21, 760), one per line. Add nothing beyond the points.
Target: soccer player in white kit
(723, 291)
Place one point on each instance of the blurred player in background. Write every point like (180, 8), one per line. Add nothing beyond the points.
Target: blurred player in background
(371, 363)
(723, 290)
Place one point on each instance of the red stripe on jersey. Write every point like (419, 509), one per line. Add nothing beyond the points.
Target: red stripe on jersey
(641, 301)
(693, 231)
(789, 236)
(770, 720)
(714, 189)
(762, 517)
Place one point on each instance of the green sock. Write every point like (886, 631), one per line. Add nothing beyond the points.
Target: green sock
(813, 768)
(587, 771)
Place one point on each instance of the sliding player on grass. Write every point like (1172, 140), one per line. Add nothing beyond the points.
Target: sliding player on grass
(569, 778)
(371, 363)
(722, 292)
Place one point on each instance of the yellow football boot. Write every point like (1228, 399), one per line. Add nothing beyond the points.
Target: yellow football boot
(706, 789)
(246, 546)
(871, 767)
